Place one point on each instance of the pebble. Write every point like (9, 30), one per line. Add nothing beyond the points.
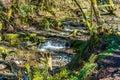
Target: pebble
(19, 62)
(2, 66)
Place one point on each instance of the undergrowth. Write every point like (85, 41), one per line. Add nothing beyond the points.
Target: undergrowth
(21, 15)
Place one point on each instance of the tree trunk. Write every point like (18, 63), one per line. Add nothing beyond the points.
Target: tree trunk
(93, 43)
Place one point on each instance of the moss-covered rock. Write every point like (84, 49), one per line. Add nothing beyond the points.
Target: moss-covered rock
(1, 26)
(41, 38)
(11, 36)
(32, 34)
(4, 52)
(15, 42)
(0, 38)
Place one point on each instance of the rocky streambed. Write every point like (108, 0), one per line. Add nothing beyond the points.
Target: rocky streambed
(36, 48)
(54, 46)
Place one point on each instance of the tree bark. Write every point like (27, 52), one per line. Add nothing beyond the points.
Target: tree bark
(93, 43)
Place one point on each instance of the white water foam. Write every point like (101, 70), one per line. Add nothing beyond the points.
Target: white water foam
(50, 45)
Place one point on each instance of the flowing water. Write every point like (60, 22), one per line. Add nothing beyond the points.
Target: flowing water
(57, 46)
(50, 45)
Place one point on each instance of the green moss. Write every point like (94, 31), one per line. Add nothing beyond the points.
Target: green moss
(41, 38)
(33, 35)
(0, 38)
(4, 52)
(11, 36)
(1, 26)
(15, 42)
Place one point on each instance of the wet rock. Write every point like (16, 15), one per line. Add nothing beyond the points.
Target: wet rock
(61, 59)
(2, 66)
(19, 62)
(111, 69)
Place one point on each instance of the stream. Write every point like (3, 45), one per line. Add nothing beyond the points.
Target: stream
(58, 45)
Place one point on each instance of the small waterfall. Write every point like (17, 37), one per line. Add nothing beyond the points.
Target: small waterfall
(52, 45)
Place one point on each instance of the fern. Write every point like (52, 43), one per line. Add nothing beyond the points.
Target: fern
(86, 71)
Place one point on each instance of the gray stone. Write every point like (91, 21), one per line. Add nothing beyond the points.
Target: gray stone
(2, 66)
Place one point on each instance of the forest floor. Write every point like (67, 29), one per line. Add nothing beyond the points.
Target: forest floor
(108, 68)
